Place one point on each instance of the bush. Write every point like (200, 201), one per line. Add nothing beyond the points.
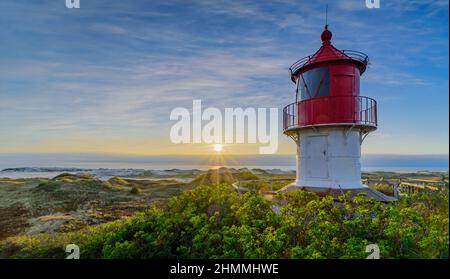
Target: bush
(214, 222)
(385, 189)
(135, 190)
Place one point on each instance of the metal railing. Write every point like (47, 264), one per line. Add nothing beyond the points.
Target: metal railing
(330, 110)
(268, 184)
(351, 54)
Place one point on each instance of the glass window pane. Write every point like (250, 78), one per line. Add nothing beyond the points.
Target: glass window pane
(315, 83)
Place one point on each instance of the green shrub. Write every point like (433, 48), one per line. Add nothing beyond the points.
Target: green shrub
(384, 188)
(135, 190)
(213, 221)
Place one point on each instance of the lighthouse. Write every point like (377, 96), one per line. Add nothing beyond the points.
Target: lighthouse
(329, 120)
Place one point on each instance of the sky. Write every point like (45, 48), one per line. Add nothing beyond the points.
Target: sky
(105, 77)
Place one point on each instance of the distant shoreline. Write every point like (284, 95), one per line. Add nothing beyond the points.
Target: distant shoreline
(106, 165)
(106, 173)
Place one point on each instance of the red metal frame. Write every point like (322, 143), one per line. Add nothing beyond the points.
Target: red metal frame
(331, 110)
(342, 105)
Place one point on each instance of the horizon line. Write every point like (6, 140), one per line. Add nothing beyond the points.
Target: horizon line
(196, 154)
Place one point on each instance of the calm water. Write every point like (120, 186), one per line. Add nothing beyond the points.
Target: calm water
(401, 163)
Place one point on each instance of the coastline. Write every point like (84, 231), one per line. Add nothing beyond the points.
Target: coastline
(52, 164)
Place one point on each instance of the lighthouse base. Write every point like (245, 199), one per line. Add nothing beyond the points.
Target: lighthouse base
(328, 162)
(328, 157)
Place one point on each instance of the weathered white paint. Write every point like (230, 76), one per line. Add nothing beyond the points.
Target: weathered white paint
(329, 157)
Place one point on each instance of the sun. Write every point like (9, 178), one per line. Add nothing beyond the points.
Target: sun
(218, 147)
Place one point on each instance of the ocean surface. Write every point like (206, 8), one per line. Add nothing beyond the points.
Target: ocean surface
(64, 161)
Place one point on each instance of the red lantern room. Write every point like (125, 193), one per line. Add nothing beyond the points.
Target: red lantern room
(330, 119)
(327, 89)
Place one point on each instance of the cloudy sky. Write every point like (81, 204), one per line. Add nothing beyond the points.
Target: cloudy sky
(105, 77)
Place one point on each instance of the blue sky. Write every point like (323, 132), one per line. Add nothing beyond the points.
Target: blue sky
(104, 78)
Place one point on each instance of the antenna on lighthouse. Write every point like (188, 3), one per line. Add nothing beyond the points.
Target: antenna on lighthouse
(326, 17)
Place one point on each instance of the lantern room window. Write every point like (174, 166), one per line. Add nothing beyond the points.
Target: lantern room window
(314, 83)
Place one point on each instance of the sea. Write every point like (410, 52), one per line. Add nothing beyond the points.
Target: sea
(25, 165)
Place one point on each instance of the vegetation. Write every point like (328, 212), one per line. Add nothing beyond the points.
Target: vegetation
(69, 202)
(212, 221)
(135, 190)
(384, 188)
(223, 176)
(268, 185)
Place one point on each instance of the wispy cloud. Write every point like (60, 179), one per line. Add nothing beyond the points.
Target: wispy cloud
(116, 68)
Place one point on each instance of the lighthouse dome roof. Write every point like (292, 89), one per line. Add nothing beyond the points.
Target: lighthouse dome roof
(328, 53)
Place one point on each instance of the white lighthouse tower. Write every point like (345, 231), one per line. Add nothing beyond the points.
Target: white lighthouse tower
(329, 120)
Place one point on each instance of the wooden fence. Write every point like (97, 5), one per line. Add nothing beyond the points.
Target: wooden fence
(399, 186)
(407, 185)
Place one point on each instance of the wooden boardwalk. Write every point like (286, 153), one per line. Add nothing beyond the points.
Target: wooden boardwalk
(407, 185)
(399, 186)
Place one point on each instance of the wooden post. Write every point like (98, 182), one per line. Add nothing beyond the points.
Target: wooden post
(239, 187)
(254, 185)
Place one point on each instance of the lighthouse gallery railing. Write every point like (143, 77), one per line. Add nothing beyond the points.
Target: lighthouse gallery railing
(331, 110)
(352, 54)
